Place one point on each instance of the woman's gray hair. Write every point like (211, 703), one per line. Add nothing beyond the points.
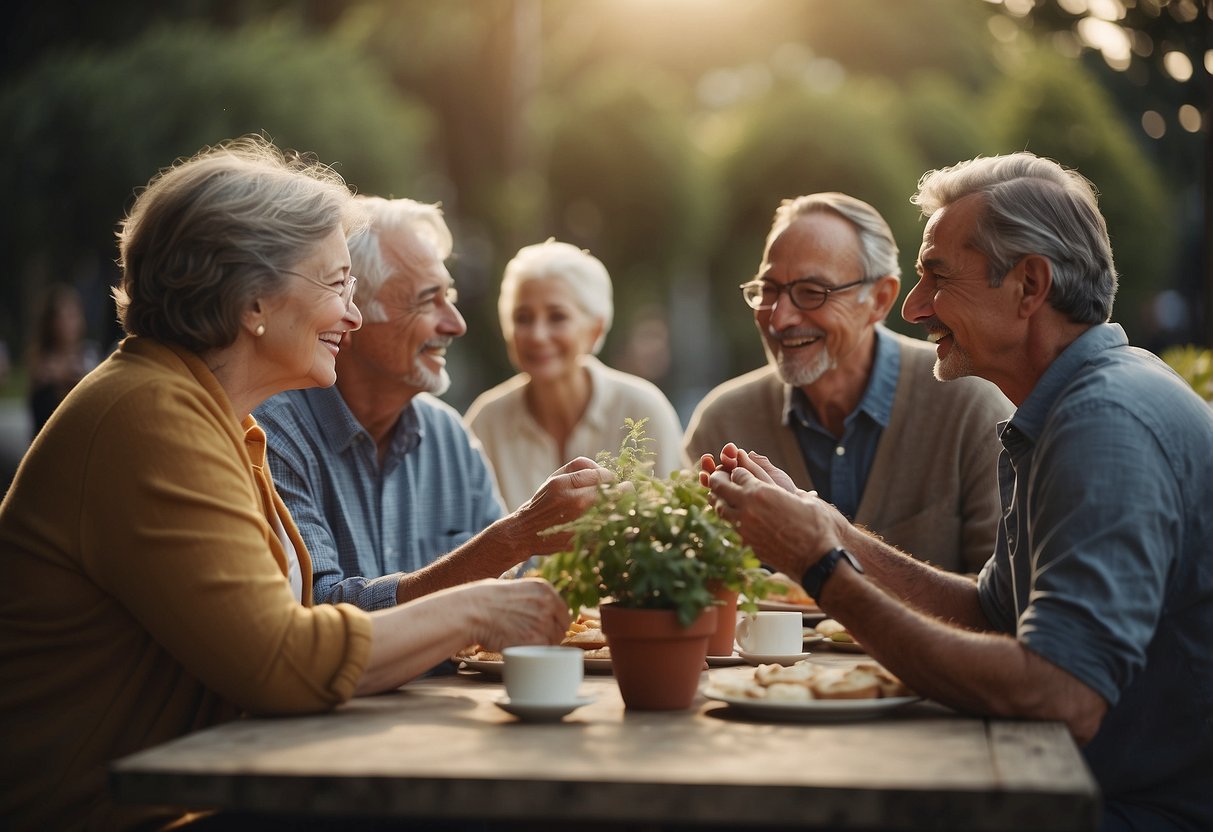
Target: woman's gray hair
(412, 233)
(877, 248)
(212, 233)
(1034, 206)
(581, 271)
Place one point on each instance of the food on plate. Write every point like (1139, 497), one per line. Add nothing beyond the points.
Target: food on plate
(792, 591)
(585, 633)
(806, 681)
(834, 631)
(600, 653)
(474, 653)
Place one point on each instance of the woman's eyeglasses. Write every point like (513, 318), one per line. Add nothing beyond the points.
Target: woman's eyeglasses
(805, 294)
(346, 292)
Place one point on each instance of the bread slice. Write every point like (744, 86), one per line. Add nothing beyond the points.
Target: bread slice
(855, 683)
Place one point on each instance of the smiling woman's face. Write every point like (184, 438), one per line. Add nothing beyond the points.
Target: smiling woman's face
(304, 323)
(549, 332)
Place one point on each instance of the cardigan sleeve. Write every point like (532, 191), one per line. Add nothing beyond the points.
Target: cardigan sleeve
(176, 530)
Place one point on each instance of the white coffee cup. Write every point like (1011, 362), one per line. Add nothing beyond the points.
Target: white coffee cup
(771, 633)
(542, 675)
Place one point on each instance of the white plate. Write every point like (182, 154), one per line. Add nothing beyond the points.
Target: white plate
(811, 637)
(725, 661)
(541, 713)
(843, 646)
(493, 668)
(761, 658)
(784, 606)
(818, 710)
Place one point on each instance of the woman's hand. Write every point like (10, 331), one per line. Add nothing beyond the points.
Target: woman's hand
(524, 611)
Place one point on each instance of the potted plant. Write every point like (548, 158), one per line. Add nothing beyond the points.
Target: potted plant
(654, 556)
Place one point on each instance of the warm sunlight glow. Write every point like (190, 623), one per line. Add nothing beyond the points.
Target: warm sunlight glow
(1154, 124)
(1074, 7)
(1189, 118)
(1108, 38)
(1178, 65)
(1110, 10)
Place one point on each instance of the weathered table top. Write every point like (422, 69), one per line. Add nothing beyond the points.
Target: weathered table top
(440, 748)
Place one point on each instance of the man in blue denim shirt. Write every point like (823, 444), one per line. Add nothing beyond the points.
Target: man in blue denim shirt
(1096, 608)
(391, 495)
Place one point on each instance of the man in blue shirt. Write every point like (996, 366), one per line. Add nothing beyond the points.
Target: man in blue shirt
(1097, 607)
(391, 495)
(847, 407)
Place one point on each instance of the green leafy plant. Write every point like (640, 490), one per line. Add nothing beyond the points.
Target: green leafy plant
(652, 543)
(1196, 367)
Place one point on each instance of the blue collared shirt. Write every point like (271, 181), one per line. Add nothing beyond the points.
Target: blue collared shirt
(365, 523)
(839, 467)
(1104, 565)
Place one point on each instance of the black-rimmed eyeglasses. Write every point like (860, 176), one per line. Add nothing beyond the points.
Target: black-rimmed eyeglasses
(346, 292)
(805, 294)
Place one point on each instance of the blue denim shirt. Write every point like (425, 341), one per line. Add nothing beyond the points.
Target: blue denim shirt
(363, 523)
(839, 467)
(1104, 566)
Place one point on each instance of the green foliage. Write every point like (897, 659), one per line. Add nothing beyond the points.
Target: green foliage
(651, 543)
(1195, 365)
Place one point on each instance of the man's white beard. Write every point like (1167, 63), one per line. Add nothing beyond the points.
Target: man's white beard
(798, 374)
(955, 365)
(430, 382)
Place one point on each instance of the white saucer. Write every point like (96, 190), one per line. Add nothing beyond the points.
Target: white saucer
(761, 658)
(541, 712)
(725, 661)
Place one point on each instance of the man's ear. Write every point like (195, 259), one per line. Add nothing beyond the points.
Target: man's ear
(1036, 281)
(884, 294)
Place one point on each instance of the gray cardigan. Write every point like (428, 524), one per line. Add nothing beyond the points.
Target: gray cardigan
(933, 488)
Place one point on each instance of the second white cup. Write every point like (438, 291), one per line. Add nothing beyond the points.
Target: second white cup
(771, 633)
(542, 675)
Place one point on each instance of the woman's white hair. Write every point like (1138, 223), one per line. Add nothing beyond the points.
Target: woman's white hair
(581, 271)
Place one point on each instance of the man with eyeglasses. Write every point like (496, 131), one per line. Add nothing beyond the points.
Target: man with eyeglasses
(849, 408)
(392, 496)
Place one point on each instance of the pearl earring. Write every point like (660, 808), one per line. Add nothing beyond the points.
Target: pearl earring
(260, 330)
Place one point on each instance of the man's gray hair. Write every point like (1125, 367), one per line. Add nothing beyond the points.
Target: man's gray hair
(1034, 206)
(877, 248)
(401, 233)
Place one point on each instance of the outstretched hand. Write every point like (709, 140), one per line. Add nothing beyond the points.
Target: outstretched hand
(526, 611)
(564, 496)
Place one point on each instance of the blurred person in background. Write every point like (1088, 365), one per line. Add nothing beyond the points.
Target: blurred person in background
(391, 494)
(154, 582)
(849, 408)
(1095, 608)
(59, 355)
(556, 308)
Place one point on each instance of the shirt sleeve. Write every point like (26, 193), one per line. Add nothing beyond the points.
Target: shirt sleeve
(1104, 521)
(181, 539)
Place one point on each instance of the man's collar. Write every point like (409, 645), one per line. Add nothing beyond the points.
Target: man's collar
(1030, 417)
(341, 428)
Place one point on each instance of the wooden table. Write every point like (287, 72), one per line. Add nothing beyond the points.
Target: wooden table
(440, 748)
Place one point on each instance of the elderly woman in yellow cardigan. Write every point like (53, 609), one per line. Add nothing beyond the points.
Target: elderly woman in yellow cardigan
(154, 581)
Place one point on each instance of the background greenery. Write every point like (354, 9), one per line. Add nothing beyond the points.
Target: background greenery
(660, 134)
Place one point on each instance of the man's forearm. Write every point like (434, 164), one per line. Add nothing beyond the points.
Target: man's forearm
(488, 554)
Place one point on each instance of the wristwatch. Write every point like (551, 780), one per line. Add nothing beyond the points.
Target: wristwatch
(816, 575)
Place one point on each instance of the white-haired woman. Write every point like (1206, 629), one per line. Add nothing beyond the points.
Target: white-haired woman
(556, 309)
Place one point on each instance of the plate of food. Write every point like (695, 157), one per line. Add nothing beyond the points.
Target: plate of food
(836, 637)
(793, 598)
(807, 691)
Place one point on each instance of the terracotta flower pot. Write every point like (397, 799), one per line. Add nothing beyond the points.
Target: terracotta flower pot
(721, 641)
(656, 661)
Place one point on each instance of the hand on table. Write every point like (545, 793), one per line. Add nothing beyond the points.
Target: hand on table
(525, 611)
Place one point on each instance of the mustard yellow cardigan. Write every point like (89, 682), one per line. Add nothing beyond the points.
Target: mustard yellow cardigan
(145, 591)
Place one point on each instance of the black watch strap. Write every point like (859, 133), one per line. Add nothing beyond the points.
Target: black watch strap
(816, 575)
